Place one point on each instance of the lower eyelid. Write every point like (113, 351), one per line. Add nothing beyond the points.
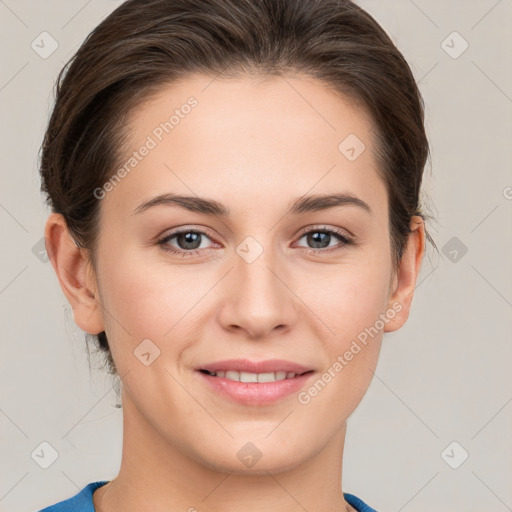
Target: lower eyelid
(343, 239)
(165, 240)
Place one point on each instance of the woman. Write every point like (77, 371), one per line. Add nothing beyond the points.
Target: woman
(235, 215)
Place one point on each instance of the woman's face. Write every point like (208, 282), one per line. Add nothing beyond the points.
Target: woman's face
(264, 281)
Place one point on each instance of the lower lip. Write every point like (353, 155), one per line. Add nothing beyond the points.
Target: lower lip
(256, 393)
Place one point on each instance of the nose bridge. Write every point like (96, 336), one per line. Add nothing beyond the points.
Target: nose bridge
(260, 298)
(256, 269)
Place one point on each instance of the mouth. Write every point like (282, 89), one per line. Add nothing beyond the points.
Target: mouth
(254, 383)
(254, 377)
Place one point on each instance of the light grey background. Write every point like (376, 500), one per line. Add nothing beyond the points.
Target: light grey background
(444, 377)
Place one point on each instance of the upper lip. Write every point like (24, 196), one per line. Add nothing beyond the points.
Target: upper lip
(245, 365)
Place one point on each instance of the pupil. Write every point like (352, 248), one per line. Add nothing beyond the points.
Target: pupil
(191, 240)
(317, 238)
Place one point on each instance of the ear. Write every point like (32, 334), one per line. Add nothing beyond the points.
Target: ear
(404, 280)
(75, 273)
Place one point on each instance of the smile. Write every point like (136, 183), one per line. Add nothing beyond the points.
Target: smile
(252, 377)
(254, 389)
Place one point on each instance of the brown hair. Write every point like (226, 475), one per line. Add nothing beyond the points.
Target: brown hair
(145, 44)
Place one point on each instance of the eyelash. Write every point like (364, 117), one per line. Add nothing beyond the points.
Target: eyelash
(339, 234)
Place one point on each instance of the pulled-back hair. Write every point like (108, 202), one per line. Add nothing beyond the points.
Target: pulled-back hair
(145, 44)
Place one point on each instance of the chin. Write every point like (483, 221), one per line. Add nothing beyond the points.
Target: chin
(247, 458)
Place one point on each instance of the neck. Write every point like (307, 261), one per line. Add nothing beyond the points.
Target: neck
(160, 476)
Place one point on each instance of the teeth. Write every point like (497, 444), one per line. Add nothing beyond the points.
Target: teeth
(248, 377)
(232, 375)
(254, 377)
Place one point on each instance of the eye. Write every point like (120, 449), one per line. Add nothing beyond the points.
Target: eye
(320, 239)
(188, 241)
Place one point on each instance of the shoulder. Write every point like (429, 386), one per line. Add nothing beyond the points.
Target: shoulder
(81, 502)
(357, 503)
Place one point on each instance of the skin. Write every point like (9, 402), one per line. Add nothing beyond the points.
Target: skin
(254, 146)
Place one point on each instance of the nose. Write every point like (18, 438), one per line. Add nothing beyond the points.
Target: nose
(258, 296)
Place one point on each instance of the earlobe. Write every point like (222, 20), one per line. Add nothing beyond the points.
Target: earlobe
(408, 270)
(73, 268)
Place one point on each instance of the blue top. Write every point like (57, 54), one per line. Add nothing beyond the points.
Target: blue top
(82, 502)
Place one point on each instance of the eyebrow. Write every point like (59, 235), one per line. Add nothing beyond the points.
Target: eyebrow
(206, 206)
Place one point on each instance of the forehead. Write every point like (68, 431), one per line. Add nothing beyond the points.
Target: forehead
(246, 138)
(253, 106)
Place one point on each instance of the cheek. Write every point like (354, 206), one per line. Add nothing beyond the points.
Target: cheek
(351, 307)
(148, 298)
(150, 301)
(348, 297)
(351, 303)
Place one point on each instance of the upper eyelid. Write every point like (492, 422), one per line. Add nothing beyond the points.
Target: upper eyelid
(179, 231)
(300, 234)
(325, 228)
